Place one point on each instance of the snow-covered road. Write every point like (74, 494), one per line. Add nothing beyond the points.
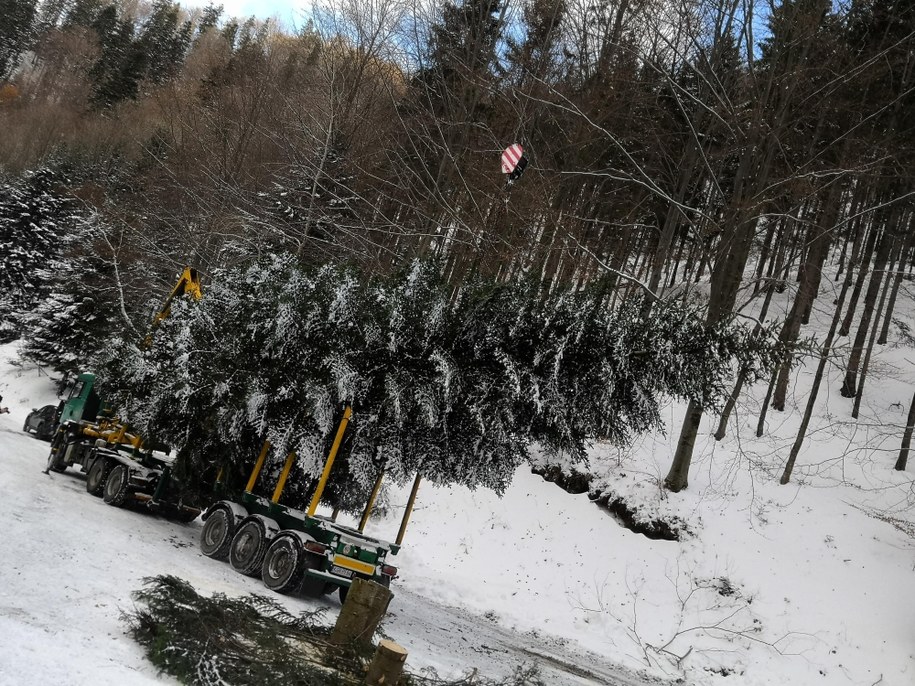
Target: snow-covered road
(69, 562)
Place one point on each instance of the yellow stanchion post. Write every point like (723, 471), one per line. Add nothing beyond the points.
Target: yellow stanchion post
(371, 503)
(338, 439)
(258, 466)
(406, 515)
(281, 484)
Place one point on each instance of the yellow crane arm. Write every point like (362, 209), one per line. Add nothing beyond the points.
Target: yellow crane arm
(188, 284)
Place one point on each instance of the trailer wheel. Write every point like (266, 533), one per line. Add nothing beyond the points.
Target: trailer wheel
(116, 486)
(95, 478)
(216, 537)
(284, 564)
(246, 553)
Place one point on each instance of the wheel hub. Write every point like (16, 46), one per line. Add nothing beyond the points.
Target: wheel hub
(216, 532)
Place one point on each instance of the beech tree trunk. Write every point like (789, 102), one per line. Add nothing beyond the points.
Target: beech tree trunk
(859, 283)
(815, 388)
(903, 458)
(820, 239)
(870, 346)
(742, 376)
(849, 386)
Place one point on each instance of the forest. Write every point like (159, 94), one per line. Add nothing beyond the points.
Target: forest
(688, 156)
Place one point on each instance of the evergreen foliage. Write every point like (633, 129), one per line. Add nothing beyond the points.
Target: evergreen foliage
(454, 388)
(34, 218)
(131, 52)
(16, 33)
(73, 321)
(255, 640)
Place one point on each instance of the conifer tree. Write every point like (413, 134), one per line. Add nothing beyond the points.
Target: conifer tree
(16, 32)
(456, 389)
(34, 217)
(72, 322)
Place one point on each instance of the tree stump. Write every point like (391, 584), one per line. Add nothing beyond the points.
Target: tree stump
(387, 665)
(366, 603)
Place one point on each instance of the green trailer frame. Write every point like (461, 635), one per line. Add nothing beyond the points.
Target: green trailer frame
(295, 551)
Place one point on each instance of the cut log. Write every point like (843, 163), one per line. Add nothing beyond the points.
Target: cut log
(366, 603)
(387, 665)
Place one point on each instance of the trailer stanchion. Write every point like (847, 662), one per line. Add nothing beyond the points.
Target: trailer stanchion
(408, 511)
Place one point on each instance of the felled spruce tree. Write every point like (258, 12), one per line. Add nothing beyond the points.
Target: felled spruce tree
(454, 388)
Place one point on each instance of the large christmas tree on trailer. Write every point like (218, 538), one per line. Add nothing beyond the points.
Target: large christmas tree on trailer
(455, 388)
(449, 387)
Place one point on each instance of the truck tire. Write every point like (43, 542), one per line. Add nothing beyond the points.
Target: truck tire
(284, 564)
(216, 537)
(246, 553)
(55, 460)
(116, 486)
(96, 476)
(45, 431)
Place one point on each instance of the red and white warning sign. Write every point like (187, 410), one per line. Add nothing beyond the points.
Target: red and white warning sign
(510, 158)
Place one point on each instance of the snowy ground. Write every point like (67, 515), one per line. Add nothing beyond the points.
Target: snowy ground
(808, 583)
(68, 563)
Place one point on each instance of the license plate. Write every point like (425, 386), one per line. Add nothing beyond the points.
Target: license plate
(340, 571)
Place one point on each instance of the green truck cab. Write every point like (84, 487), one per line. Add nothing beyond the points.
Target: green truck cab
(82, 403)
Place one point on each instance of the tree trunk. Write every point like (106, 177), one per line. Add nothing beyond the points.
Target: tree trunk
(677, 261)
(849, 386)
(678, 476)
(366, 603)
(761, 423)
(815, 388)
(764, 255)
(820, 239)
(904, 259)
(668, 230)
(387, 665)
(853, 237)
(870, 345)
(742, 376)
(859, 283)
(903, 458)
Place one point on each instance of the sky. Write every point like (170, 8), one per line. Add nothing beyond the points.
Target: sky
(288, 11)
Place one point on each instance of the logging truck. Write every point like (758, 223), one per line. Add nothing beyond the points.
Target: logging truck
(118, 465)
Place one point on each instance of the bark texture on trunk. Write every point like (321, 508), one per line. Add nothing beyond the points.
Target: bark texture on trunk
(849, 386)
(903, 458)
(366, 604)
(815, 388)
